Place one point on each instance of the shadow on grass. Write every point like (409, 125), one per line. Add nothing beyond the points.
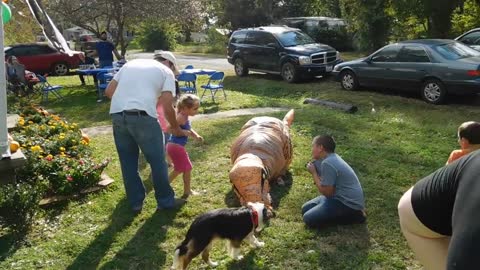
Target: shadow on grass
(143, 251)
(347, 245)
(248, 262)
(9, 244)
(91, 256)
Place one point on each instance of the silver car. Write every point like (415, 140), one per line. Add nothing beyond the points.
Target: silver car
(434, 67)
(471, 38)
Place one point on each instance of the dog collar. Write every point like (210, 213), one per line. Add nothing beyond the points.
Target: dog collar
(254, 216)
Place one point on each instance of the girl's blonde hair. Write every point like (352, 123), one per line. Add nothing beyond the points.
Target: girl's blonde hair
(187, 101)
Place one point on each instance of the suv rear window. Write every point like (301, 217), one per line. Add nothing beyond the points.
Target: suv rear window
(238, 37)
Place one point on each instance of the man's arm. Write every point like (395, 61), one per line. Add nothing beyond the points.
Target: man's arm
(115, 52)
(166, 99)
(327, 190)
(111, 87)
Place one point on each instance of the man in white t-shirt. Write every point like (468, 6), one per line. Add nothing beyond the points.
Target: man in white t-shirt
(135, 91)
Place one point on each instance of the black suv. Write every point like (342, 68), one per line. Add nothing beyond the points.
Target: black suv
(280, 50)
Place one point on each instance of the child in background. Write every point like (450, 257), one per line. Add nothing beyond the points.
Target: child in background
(468, 138)
(187, 106)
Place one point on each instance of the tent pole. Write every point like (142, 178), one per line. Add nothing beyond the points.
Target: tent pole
(4, 144)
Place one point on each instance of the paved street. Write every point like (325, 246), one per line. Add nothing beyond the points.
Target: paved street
(207, 62)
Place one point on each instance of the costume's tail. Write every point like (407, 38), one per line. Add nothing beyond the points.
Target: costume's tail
(288, 119)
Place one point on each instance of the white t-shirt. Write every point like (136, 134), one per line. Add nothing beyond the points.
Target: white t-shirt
(140, 84)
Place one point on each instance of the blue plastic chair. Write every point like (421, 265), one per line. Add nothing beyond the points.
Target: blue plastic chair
(215, 83)
(189, 67)
(47, 88)
(187, 83)
(103, 81)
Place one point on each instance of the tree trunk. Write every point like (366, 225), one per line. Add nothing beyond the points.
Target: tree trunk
(188, 35)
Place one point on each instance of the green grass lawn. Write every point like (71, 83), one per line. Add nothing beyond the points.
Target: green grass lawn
(390, 150)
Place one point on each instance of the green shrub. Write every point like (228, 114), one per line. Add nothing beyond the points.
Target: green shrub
(217, 42)
(59, 162)
(338, 38)
(154, 35)
(19, 203)
(466, 18)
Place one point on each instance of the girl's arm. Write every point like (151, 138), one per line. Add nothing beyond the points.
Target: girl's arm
(181, 120)
(195, 135)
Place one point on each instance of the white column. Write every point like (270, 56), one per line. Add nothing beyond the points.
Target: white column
(4, 145)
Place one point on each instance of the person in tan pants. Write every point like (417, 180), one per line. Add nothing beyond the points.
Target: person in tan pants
(439, 216)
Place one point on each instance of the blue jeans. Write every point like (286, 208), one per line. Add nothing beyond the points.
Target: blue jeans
(132, 132)
(323, 211)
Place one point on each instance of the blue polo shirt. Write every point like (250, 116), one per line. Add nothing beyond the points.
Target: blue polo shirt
(334, 171)
(105, 51)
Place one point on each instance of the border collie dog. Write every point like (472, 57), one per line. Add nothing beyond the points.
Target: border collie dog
(232, 224)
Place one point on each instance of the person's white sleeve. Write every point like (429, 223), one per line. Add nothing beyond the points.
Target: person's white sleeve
(169, 83)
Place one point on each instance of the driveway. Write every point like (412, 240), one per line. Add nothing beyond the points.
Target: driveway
(198, 61)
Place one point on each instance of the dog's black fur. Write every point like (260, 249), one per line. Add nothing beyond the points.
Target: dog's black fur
(233, 224)
(228, 223)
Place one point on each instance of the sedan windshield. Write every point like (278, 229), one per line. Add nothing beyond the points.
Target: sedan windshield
(455, 51)
(294, 38)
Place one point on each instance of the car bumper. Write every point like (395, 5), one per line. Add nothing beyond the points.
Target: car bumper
(316, 69)
(465, 87)
(336, 75)
(230, 60)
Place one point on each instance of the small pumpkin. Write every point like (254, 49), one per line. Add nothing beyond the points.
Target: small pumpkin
(85, 138)
(14, 146)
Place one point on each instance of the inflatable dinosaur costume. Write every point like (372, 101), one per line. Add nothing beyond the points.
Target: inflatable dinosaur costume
(261, 154)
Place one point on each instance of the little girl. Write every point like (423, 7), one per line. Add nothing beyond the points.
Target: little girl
(187, 106)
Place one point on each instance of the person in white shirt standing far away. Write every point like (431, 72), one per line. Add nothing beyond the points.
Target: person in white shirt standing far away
(135, 91)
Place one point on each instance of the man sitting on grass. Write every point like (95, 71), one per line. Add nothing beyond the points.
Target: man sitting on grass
(469, 140)
(342, 200)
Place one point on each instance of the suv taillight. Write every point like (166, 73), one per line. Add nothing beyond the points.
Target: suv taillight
(474, 73)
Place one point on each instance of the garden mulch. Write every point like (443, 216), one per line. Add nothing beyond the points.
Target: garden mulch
(105, 181)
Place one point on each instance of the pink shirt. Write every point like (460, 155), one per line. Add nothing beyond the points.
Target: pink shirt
(161, 118)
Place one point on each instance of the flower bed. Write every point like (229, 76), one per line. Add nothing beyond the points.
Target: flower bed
(57, 153)
(59, 160)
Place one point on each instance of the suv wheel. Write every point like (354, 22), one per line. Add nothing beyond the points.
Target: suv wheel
(60, 69)
(433, 91)
(348, 80)
(240, 68)
(289, 73)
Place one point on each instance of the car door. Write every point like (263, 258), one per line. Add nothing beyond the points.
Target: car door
(376, 71)
(413, 66)
(45, 57)
(268, 49)
(250, 51)
(471, 39)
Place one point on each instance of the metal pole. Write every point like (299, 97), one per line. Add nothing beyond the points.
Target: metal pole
(4, 145)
